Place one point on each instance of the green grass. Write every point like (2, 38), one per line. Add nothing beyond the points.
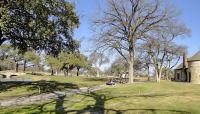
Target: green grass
(47, 84)
(16, 92)
(80, 81)
(140, 98)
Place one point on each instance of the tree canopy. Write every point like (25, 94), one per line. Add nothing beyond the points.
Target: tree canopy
(38, 24)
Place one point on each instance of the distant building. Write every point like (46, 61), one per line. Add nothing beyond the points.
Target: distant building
(189, 70)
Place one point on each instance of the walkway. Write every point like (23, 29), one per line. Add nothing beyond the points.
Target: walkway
(43, 97)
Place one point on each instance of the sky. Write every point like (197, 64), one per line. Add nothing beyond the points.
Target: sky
(190, 15)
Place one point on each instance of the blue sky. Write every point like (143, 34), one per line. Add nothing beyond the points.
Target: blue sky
(190, 15)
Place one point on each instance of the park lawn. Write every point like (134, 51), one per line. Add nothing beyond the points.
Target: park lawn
(139, 98)
(80, 81)
(48, 84)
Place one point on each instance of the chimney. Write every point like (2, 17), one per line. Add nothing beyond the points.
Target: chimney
(185, 60)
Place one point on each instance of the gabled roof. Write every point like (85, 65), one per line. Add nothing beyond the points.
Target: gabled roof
(195, 57)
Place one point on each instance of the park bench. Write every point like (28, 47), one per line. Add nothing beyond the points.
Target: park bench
(7, 75)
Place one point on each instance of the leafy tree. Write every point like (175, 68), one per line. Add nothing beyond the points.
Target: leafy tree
(80, 61)
(53, 62)
(71, 60)
(5, 61)
(66, 60)
(16, 57)
(120, 65)
(4, 51)
(31, 56)
(38, 24)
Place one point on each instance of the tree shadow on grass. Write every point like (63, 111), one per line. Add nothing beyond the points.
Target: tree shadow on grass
(146, 111)
(42, 86)
(154, 95)
(96, 79)
(51, 86)
(36, 74)
(97, 108)
(101, 99)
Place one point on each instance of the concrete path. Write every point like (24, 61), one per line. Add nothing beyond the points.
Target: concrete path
(43, 97)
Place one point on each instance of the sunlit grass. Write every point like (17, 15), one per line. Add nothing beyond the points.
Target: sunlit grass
(140, 98)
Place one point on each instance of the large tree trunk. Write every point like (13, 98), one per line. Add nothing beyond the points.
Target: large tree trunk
(148, 73)
(66, 71)
(131, 62)
(98, 74)
(24, 66)
(39, 68)
(77, 73)
(158, 75)
(167, 74)
(52, 72)
(130, 71)
(16, 67)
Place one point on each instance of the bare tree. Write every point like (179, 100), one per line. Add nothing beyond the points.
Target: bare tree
(172, 58)
(98, 59)
(125, 22)
(161, 47)
(145, 59)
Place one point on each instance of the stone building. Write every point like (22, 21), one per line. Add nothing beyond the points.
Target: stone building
(189, 70)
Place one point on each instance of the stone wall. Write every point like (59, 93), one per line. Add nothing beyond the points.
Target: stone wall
(194, 67)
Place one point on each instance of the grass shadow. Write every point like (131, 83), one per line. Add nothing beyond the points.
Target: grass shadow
(99, 107)
(42, 86)
(96, 79)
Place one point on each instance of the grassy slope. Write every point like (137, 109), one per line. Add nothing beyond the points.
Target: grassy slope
(61, 83)
(143, 98)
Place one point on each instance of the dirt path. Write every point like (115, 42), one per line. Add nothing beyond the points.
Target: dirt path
(43, 97)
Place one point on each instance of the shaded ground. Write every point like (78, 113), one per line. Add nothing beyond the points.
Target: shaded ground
(41, 98)
(45, 84)
(143, 98)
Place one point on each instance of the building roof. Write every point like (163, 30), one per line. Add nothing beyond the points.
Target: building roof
(195, 57)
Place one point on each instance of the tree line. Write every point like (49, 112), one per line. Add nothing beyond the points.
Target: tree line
(11, 58)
